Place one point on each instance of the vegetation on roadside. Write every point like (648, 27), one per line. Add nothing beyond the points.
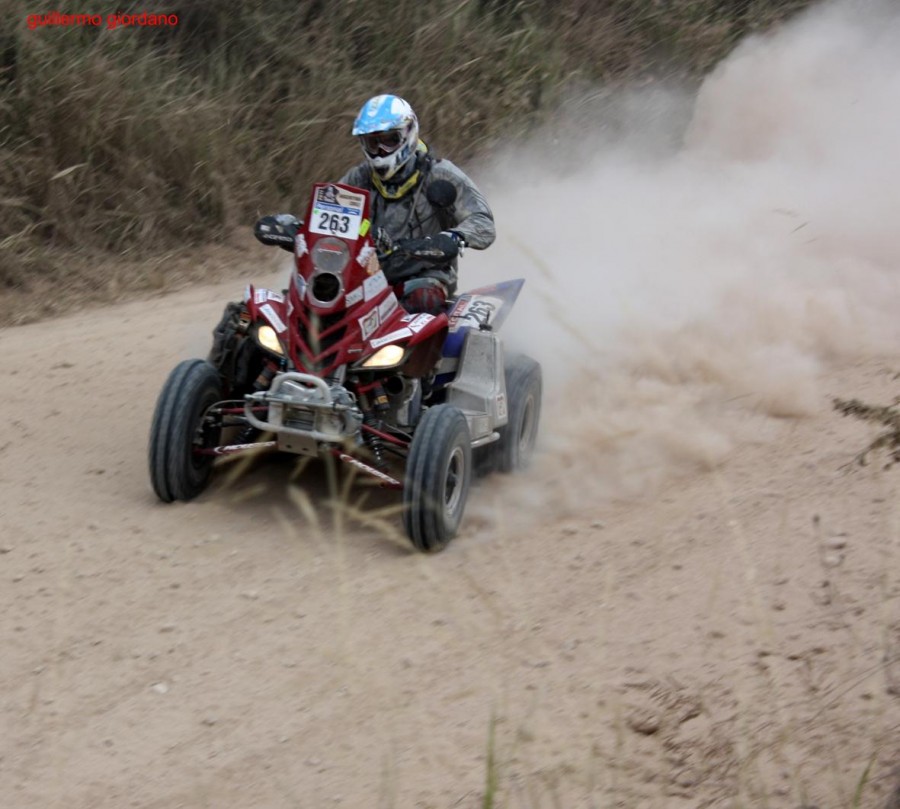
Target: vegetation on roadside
(135, 141)
(887, 441)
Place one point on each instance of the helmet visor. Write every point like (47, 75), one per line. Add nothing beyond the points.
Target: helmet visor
(382, 143)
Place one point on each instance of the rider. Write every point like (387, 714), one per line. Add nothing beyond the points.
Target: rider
(398, 171)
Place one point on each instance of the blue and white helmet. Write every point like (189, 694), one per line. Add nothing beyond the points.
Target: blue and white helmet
(388, 132)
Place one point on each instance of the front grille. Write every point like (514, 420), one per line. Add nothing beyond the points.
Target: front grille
(322, 333)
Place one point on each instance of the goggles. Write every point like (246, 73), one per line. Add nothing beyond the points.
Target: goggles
(382, 143)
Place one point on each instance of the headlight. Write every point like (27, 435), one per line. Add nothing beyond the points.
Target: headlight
(268, 339)
(330, 255)
(385, 357)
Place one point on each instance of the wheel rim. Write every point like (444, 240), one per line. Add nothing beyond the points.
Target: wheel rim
(453, 481)
(526, 431)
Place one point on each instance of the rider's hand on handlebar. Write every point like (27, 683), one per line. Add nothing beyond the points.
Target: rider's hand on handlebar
(384, 244)
(279, 229)
(457, 237)
(442, 247)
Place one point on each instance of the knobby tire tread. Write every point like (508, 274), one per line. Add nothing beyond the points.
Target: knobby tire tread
(174, 424)
(414, 520)
(160, 429)
(522, 374)
(423, 515)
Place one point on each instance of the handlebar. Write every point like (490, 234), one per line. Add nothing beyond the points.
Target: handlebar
(408, 257)
(279, 229)
(400, 259)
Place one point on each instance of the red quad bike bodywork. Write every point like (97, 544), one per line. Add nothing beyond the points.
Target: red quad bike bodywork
(334, 366)
(340, 309)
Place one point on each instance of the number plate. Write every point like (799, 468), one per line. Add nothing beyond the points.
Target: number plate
(336, 212)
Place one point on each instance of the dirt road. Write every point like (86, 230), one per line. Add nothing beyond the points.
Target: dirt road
(722, 636)
(691, 600)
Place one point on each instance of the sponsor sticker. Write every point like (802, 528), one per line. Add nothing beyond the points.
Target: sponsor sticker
(399, 334)
(354, 296)
(501, 405)
(263, 295)
(373, 285)
(368, 258)
(420, 322)
(363, 258)
(474, 311)
(387, 306)
(459, 307)
(300, 245)
(369, 323)
(272, 316)
(337, 212)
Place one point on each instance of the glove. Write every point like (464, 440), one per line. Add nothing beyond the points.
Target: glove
(279, 229)
(442, 247)
(383, 241)
(458, 238)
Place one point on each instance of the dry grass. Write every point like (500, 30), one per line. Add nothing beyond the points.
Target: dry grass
(139, 142)
(888, 416)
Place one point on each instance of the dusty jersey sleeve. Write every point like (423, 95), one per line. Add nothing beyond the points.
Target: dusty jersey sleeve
(474, 219)
(357, 176)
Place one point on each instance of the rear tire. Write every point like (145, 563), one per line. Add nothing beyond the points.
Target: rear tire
(515, 447)
(524, 386)
(179, 426)
(438, 474)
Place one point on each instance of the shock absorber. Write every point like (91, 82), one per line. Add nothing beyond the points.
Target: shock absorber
(266, 376)
(263, 381)
(373, 442)
(375, 403)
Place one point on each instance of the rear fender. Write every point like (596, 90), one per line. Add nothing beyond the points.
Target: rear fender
(479, 388)
(484, 308)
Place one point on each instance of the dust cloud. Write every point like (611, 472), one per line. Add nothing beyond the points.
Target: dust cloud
(695, 258)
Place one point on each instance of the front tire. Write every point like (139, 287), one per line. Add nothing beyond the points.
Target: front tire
(179, 427)
(438, 474)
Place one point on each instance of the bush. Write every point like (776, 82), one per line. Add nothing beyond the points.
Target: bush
(139, 140)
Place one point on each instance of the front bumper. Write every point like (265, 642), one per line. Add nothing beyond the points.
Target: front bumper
(304, 413)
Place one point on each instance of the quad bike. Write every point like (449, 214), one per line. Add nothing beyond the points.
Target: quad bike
(335, 366)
